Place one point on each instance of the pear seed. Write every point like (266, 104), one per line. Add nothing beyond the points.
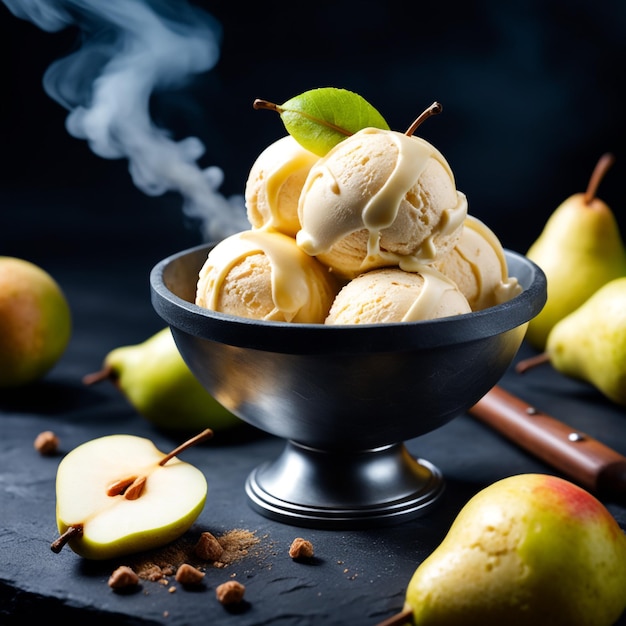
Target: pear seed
(119, 486)
(136, 489)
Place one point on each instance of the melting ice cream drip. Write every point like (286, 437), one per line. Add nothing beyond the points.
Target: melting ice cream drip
(130, 49)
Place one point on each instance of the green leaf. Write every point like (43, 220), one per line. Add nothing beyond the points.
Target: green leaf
(320, 118)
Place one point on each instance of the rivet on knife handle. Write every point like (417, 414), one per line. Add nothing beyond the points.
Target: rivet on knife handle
(582, 458)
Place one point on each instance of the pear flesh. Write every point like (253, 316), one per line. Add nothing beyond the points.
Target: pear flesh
(590, 343)
(528, 550)
(171, 499)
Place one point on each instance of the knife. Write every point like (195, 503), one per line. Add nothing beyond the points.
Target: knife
(582, 458)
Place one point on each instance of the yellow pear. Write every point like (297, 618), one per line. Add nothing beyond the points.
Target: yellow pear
(590, 343)
(35, 322)
(155, 379)
(528, 550)
(580, 249)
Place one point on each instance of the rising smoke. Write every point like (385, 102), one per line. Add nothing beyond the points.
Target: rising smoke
(128, 50)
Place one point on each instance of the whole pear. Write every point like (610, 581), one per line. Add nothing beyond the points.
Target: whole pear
(590, 343)
(158, 383)
(528, 550)
(580, 249)
(35, 322)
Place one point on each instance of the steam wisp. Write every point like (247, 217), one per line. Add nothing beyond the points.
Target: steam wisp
(130, 49)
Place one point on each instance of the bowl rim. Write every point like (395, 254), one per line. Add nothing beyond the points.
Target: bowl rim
(298, 338)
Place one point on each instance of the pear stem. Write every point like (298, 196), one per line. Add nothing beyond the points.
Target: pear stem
(404, 616)
(532, 361)
(207, 433)
(434, 109)
(72, 531)
(270, 106)
(264, 104)
(601, 168)
(106, 373)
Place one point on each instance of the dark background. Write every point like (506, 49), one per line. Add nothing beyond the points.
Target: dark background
(530, 93)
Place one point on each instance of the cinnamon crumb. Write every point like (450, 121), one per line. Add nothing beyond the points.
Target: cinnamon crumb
(123, 578)
(208, 547)
(46, 443)
(236, 545)
(189, 575)
(151, 572)
(301, 549)
(230, 592)
(155, 565)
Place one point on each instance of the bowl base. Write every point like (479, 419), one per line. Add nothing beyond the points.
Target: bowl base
(316, 488)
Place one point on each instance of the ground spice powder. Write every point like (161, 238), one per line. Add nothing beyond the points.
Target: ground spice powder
(158, 564)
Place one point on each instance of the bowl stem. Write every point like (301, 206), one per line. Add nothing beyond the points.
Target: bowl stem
(316, 488)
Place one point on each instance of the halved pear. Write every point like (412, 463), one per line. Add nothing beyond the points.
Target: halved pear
(119, 494)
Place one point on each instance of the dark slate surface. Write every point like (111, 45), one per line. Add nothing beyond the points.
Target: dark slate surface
(531, 101)
(356, 576)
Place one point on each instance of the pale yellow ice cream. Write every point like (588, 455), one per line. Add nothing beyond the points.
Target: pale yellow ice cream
(380, 198)
(393, 295)
(478, 266)
(274, 184)
(263, 275)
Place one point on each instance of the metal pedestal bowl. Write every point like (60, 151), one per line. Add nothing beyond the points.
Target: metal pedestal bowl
(345, 398)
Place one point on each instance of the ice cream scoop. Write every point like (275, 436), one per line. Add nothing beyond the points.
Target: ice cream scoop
(262, 274)
(380, 198)
(478, 266)
(391, 294)
(274, 184)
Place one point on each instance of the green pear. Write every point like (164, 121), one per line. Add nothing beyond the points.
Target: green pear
(528, 550)
(580, 249)
(35, 322)
(590, 343)
(155, 379)
(119, 494)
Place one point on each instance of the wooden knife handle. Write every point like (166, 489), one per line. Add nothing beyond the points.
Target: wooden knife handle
(582, 458)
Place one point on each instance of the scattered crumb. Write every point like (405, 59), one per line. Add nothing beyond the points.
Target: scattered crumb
(236, 545)
(157, 564)
(123, 578)
(208, 547)
(46, 443)
(189, 575)
(230, 592)
(301, 549)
